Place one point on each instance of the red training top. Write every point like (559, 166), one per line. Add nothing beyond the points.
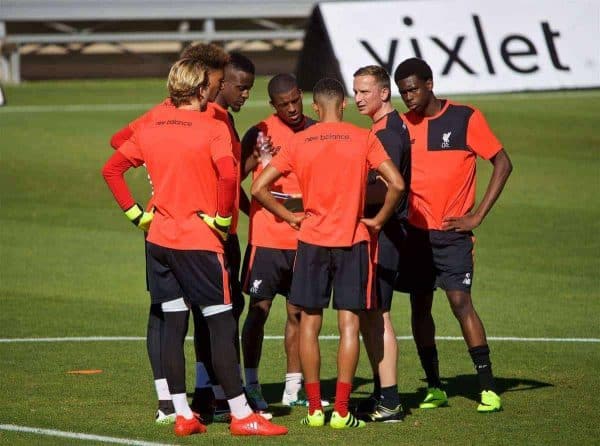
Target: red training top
(265, 229)
(444, 150)
(331, 161)
(180, 149)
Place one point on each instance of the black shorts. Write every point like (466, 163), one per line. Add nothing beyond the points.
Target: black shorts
(439, 259)
(347, 270)
(200, 277)
(390, 251)
(268, 271)
(234, 260)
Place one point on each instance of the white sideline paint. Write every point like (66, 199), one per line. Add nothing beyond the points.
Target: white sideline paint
(279, 338)
(76, 108)
(78, 436)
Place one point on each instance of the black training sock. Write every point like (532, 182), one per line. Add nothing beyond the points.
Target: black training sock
(202, 343)
(481, 358)
(173, 357)
(389, 397)
(376, 386)
(153, 340)
(203, 400)
(166, 406)
(430, 364)
(224, 360)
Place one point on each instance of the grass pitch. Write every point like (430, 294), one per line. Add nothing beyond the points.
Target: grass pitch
(72, 266)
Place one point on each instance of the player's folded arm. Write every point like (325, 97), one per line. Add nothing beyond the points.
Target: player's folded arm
(260, 191)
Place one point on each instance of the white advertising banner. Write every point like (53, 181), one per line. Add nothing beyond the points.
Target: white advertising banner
(472, 46)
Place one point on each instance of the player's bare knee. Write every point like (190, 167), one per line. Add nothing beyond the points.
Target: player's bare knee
(462, 307)
(293, 314)
(348, 323)
(258, 312)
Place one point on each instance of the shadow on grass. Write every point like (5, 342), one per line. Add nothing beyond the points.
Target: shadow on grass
(468, 386)
(462, 385)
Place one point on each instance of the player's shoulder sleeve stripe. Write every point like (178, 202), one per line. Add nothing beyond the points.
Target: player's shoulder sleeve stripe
(460, 111)
(395, 123)
(387, 137)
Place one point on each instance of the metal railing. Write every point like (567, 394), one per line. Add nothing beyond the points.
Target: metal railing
(65, 22)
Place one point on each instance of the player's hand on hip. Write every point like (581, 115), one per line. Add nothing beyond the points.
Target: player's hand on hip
(465, 223)
(139, 217)
(220, 225)
(295, 220)
(373, 225)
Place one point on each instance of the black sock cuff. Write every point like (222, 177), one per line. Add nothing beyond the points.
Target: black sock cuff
(480, 350)
(390, 397)
(480, 356)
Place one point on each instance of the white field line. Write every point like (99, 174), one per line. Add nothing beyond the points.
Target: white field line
(76, 108)
(78, 436)
(280, 338)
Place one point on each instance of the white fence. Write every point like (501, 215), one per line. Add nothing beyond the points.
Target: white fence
(65, 22)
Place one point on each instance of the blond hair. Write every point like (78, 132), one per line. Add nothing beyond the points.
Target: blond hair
(186, 77)
(379, 73)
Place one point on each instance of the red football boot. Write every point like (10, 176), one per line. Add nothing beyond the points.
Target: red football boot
(184, 427)
(254, 424)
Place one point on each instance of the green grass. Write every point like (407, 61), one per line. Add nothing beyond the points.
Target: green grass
(73, 266)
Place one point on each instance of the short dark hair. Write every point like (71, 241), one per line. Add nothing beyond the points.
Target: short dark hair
(330, 88)
(281, 83)
(379, 73)
(413, 67)
(211, 55)
(241, 62)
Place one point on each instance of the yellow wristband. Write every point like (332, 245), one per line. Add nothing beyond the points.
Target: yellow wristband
(223, 221)
(134, 212)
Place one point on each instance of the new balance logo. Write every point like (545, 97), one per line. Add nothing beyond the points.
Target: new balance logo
(446, 140)
(467, 279)
(255, 286)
